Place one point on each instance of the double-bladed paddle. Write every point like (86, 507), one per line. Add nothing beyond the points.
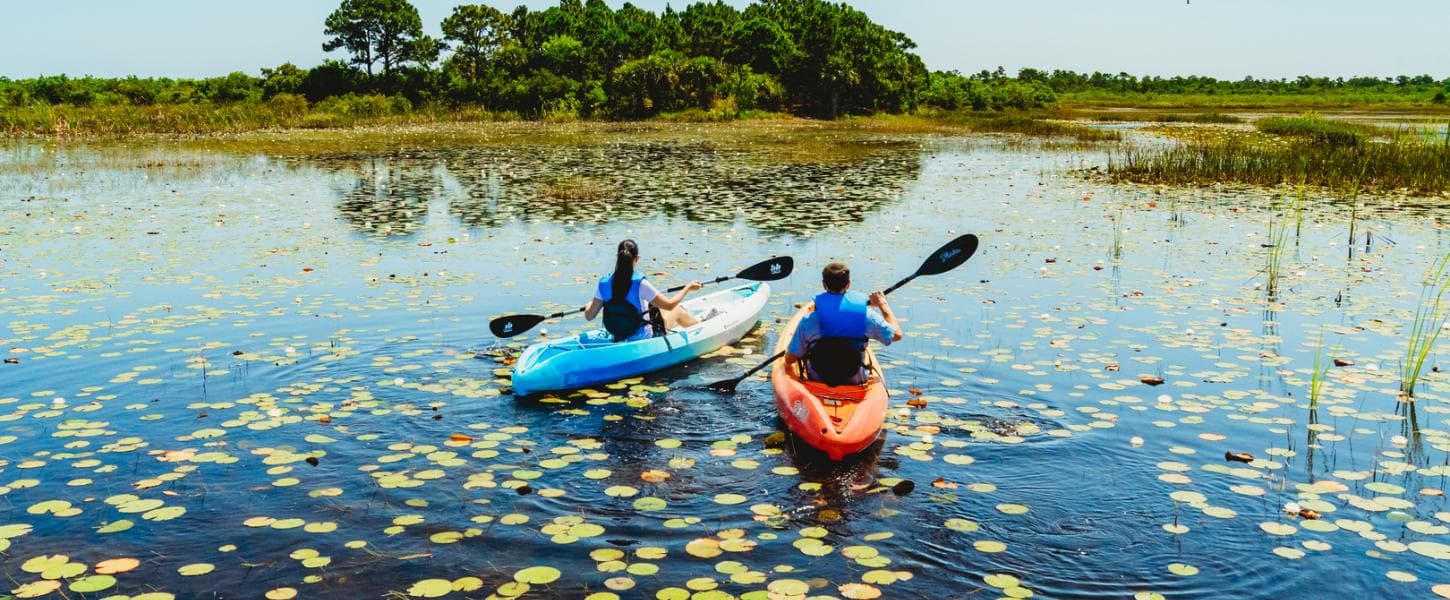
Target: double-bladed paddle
(946, 258)
(772, 269)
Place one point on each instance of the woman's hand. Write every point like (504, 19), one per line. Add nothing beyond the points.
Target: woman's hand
(692, 286)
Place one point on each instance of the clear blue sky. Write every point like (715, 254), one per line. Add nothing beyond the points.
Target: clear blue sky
(1221, 38)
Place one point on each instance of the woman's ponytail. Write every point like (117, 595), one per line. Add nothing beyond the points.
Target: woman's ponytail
(623, 269)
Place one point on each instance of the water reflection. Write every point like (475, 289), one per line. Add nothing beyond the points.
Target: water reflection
(487, 186)
(389, 196)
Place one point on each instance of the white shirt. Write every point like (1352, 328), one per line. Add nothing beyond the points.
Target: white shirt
(647, 293)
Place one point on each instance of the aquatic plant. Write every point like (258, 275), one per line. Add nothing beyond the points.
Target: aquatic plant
(1430, 318)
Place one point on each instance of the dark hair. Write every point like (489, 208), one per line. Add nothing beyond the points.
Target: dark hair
(836, 276)
(623, 268)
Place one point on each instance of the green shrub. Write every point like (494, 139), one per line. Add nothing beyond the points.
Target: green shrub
(288, 105)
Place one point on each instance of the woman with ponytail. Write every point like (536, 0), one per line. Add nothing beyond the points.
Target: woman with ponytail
(627, 299)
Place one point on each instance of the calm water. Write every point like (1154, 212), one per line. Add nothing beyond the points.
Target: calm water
(269, 373)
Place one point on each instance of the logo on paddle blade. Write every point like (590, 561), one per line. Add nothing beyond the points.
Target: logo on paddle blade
(775, 268)
(946, 256)
(508, 327)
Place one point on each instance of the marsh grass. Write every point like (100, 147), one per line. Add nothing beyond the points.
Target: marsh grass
(1319, 129)
(282, 112)
(1414, 167)
(1038, 127)
(287, 112)
(1216, 118)
(1430, 318)
(1029, 124)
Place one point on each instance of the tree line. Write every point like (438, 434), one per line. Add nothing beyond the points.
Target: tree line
(581, 58)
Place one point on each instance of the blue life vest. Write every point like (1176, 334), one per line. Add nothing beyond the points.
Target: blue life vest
(623, 317)
(842, 315)
(836, 358)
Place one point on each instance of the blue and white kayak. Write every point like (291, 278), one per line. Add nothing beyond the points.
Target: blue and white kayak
(592, 357)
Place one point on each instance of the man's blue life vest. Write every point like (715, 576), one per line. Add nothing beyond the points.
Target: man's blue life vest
(837, 356)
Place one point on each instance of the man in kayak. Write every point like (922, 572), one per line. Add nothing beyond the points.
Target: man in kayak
(633, 308)
(832, 339)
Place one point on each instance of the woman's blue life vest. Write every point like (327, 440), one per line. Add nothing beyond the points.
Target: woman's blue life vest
(624, 318)
(838, 355)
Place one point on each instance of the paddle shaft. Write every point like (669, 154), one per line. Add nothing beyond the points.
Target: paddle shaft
(719, 279)
(899, 284)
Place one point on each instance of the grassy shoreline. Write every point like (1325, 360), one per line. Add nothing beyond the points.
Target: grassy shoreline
(1210, 146)
(205, 120)
(39, 120)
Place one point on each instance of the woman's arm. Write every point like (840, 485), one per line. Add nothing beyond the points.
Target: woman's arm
(670, 303)
(592, 310)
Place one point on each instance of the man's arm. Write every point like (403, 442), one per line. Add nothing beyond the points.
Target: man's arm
(878, 300)
(805, 331)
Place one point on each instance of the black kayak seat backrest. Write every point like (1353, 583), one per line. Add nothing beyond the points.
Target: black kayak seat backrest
(836, 360)
(622, 319)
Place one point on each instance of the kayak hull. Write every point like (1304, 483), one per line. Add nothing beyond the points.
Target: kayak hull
(591, 358)
(837, 420)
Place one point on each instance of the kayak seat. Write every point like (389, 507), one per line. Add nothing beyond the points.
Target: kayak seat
(836, 361)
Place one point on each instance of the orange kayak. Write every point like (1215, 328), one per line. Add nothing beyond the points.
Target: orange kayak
(840, 420)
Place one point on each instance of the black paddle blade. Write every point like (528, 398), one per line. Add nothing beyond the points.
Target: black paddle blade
(728, 386)
(773, 269)
(950, 256)
(513, 325)
(725, 387)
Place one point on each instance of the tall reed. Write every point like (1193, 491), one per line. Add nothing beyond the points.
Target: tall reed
(1316, 379)
(1430, 317)
(1278, 239)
